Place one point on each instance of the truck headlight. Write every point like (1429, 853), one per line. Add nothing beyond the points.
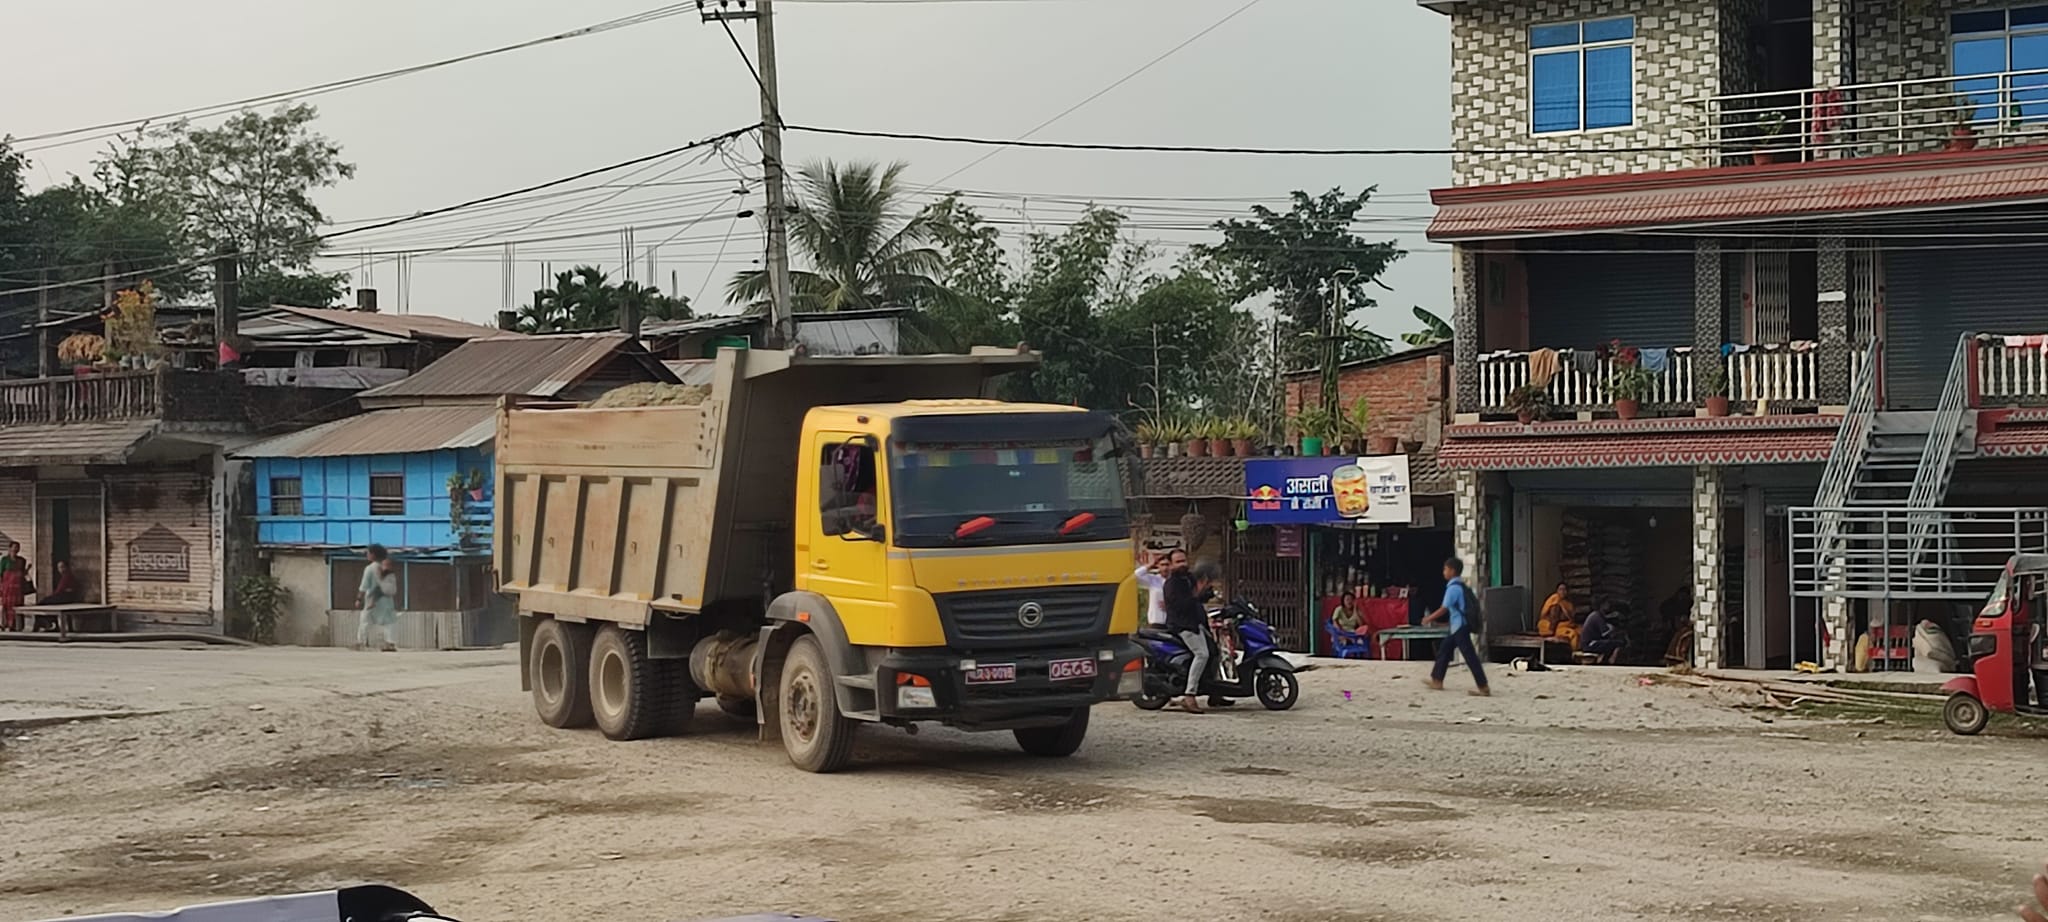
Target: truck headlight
(913, 697)
(1132, 683)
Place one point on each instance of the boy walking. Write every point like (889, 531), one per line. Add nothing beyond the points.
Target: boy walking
(1457, 608)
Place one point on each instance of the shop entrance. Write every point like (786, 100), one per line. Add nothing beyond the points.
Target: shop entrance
(71, 527)
(1633, 564)
(1391, 575)
(1272, 583)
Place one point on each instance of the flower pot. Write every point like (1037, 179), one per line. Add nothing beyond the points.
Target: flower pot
(1196, 448)
(1717, 406)
(1382, 445)
(1241, 447)
(1310, 445)
(1525, 417)
(477, 494)
(1173, 449)
(1627, 409)
(1146, 449)
(1219, 448)
(1962, 138)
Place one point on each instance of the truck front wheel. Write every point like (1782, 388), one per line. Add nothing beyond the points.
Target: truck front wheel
(1055, 742)
(632, 695)
(560, 664)
(818, 738)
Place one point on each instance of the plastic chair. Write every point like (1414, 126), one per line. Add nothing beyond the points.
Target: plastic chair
(1347, 645)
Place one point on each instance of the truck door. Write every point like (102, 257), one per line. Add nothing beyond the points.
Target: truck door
(847, 559)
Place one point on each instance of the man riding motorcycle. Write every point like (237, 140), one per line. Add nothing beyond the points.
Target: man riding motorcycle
(1188, 592)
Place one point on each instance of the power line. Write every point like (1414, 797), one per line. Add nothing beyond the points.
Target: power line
(1265, 151)
(98, 131)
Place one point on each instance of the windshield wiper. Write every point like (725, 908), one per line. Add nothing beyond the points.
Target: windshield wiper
(1076, 523)
(973, 526)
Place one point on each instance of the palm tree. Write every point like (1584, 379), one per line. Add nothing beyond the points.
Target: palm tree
(585, 298)
(865, 245)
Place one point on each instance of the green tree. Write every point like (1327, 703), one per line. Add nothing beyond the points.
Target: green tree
(972, 304)
(246, 184)
(1306, 258)
(585, 298)
(1434, 330)
(270, 285)
(865, 245)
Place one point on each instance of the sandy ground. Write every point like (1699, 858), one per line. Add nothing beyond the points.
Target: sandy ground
(1579, 795)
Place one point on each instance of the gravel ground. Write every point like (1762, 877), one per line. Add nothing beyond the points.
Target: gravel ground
(1582, 795)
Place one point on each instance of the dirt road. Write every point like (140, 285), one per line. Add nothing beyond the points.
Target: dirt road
(1582, 796)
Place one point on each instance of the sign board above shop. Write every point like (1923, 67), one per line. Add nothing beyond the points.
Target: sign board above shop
(1327, 491)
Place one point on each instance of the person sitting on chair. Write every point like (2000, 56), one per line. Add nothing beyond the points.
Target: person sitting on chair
(66, 591)
(1600, 637)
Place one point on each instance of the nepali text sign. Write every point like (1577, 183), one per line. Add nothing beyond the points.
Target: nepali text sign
(1311, 491)
(158, 555)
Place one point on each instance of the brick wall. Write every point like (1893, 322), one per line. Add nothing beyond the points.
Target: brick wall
(1409, 394)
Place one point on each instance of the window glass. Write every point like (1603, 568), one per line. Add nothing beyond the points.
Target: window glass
(1556, 81)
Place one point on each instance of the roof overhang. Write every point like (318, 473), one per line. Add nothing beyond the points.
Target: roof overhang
(1643, 443)
(73, 443)
(1737, 195)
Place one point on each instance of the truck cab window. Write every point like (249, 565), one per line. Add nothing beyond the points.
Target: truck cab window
(846, 489)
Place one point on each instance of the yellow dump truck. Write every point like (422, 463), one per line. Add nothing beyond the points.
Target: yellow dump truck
(821, 542)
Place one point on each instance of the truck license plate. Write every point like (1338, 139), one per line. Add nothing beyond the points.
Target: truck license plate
(1001, 674)
(1061, 670)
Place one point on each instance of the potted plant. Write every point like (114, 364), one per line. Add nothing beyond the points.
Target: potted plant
(1714, 384)
(1772, 126)
(1628, 383)
(1217, 431)
(476, 484)
(1241, 431)
(1530, 403)
(1962, 136)
(1172, 433)
(1147, 435)
(1195, 437)
(1314, 426)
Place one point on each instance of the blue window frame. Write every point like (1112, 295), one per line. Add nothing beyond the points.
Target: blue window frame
(2001, 45)
(1582, 75)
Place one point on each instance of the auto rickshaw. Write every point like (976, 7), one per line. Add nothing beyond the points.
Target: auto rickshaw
(2007, 653)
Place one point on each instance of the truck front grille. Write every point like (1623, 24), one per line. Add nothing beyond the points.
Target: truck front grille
(998, 618)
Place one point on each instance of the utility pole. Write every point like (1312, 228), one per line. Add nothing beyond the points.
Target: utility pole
(783, 329)
(1155, 374)
(1333, 336)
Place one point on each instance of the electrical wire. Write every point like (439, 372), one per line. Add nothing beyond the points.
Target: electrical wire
(1222, 149)
(105, 130)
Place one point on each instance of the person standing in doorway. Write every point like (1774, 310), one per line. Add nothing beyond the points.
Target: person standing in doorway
(1457, 610)
(13, 586)
(376, 596)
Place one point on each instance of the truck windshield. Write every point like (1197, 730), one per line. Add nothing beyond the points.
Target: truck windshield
(1035, 493)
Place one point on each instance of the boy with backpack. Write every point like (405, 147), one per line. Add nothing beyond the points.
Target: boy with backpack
(1462, 614)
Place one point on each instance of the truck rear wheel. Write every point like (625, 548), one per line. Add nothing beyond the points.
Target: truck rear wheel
(818, 738)
(560, 674)
(1055, 742)
(633, 696)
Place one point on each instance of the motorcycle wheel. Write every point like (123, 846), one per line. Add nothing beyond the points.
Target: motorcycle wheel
(1278, 689)
(1150, 699)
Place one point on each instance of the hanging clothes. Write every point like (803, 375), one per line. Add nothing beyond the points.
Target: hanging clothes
(1543, 367)
(1654, 361)
(1584, 361)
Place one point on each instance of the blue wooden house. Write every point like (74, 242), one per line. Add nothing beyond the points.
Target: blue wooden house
(414, 474)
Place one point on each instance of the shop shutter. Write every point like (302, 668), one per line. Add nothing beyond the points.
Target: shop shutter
(161, 537)
(1582, 300)
(18, 519)
(1933, 296)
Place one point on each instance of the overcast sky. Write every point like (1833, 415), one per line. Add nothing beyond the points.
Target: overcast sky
(1296, 73)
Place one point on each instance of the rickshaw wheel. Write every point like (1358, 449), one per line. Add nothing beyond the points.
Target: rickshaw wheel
(1964, 714)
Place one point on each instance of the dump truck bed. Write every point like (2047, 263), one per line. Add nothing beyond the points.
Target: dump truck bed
(613, 514)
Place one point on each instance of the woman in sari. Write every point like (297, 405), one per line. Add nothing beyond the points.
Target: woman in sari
(13, 586)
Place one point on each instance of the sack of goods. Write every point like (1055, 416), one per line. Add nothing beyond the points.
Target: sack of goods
(1931, 645)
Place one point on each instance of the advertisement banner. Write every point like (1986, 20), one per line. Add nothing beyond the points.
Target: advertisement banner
(1324, 491)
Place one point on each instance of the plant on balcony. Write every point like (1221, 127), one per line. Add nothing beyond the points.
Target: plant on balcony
(1315, 426)
(1240, 431)
(1216, 433)
(1772, 127)
(1147, 436)
(1530, 403)
(1628, 384)
(131, 328)
(1962, 136)
(1714, 386)
(1171, 433)
(82, 349)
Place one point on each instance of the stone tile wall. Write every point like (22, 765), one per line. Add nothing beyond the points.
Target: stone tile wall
(1708, 518)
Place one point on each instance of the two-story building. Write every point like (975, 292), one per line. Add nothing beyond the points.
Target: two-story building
(1828, 212)
(414, 474)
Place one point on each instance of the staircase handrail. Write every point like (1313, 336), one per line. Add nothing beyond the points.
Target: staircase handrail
(1938, 457)
(1852, 443)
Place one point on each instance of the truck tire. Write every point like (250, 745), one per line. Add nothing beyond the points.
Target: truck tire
(1055, 742)
(817, 737)
(633, 696)
(560, 674)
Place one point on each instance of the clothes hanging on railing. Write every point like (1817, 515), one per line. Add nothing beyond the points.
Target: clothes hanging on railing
(1583, 361)
(1543, 367)
(1655, 361)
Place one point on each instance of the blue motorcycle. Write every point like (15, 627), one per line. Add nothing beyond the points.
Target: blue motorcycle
(1261, 672)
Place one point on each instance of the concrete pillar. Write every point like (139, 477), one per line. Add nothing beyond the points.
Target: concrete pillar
(1837, 648)
(1707, 518)
(1833, 294)
(1465, 324)
(1832, 68)
(1709, 312)
(1469, 532)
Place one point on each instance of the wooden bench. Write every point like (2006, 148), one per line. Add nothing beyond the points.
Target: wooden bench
(1538, 644)
(63, 615)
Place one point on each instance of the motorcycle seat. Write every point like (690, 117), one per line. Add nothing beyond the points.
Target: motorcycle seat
(1158, 633)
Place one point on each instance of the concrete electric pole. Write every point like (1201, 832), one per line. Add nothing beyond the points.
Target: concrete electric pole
(782, 331)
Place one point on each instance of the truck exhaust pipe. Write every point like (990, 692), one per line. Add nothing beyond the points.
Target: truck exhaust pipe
(723, 664)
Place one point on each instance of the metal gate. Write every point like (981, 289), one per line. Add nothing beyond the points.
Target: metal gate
(1274, 584)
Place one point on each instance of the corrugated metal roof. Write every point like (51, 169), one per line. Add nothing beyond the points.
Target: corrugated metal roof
(385, 432)
(692, 371)
(519, 366)
(404, 326)
(1952, 180)
(78, 443)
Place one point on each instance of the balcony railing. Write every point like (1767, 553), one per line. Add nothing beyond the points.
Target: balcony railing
(2012, 370)
(1874, 119)
(1784, 373)
(83, 399)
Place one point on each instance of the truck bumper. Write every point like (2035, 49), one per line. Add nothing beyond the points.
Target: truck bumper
(1013, 689)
